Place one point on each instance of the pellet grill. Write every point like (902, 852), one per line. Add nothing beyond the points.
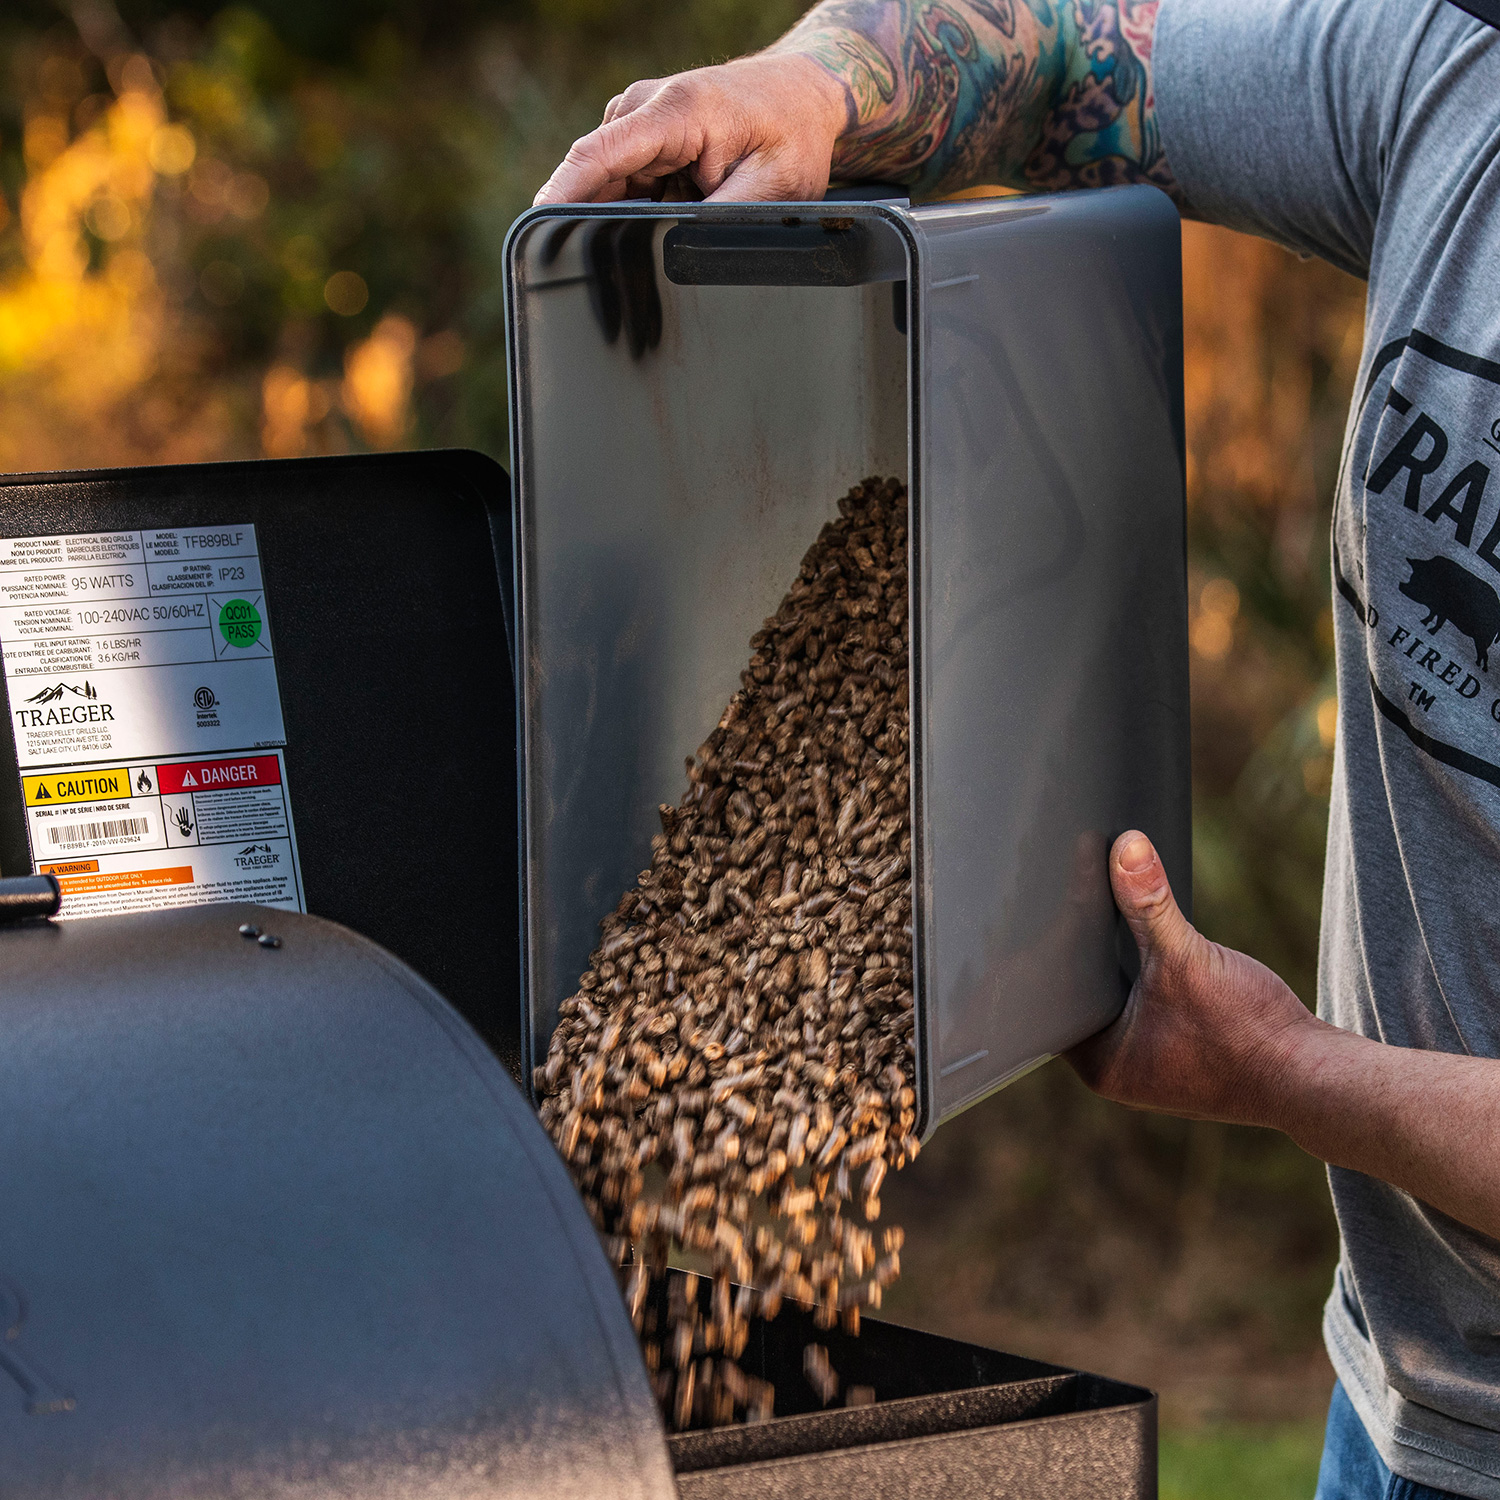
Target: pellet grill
(279, 1221)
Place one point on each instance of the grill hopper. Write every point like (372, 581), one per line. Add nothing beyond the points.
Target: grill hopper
(692, 388)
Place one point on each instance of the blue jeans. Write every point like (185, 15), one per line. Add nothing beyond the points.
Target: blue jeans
(1353, 1470)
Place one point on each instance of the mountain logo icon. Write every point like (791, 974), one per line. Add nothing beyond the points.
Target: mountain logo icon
(52, 694)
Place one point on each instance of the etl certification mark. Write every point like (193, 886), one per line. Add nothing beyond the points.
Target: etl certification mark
(206, 702)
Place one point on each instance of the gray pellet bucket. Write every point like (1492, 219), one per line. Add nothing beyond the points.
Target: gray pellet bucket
(693, 387)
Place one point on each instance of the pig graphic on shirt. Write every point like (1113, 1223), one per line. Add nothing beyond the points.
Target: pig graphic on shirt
(1448, 591)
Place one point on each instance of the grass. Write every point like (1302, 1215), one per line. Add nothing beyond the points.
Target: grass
(1272, 1461)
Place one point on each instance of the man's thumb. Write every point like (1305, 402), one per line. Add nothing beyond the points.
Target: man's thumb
(1144, 896)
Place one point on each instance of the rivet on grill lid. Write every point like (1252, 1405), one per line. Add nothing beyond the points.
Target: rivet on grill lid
(267, 941)
(249, 930)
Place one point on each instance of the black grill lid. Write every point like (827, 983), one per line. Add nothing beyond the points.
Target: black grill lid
(278, 1224)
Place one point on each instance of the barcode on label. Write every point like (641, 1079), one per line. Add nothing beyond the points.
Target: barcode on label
(88, 833)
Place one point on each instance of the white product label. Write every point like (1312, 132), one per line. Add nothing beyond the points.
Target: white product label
(147, 719)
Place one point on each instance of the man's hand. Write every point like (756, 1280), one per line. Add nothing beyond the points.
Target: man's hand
(1211, 1034)
(761, 128)
(1207, 1032)
(936, 97)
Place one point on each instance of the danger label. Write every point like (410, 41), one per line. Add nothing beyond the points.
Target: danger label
(220, 775)
(166, 833)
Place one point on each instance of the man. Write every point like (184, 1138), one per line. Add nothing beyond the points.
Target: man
(1367, 132)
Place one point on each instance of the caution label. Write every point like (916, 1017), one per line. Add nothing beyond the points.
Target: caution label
(77, 786)
(141, 668)
(182, 832)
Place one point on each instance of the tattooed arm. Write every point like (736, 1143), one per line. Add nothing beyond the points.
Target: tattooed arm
(936, 94)
(1029, 93)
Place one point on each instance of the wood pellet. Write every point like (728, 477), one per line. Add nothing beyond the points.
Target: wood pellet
(735, 1067)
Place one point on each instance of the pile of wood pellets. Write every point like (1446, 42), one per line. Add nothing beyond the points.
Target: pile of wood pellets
(733, 1076)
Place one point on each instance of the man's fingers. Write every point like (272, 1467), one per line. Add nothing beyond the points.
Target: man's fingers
(1144, 896)
(759, 128)
(591, 167)
(631, 100)
(580, 177)
(648, 142)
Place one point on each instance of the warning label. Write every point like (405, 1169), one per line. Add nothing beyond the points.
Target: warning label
(122, 880)
(166, 833)
(147, 718)
(88, 786)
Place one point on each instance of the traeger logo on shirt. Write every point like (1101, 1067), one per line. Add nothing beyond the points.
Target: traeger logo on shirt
(1420, 564)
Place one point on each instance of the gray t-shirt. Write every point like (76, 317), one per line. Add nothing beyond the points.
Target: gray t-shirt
(1368, 132)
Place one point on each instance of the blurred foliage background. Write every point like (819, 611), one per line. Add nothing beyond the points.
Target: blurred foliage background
(276, 229)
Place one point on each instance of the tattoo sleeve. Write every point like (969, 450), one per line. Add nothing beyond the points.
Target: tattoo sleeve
(943, 94)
